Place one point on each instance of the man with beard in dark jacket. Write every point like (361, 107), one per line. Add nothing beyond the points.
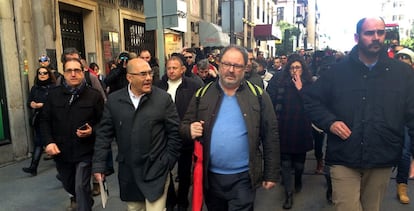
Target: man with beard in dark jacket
(144, 120)
(68, 124)
(181, 89)
(363, 103)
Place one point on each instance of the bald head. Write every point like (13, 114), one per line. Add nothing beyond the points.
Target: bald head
(138, 64)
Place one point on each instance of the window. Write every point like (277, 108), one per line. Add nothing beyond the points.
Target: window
(280, 14)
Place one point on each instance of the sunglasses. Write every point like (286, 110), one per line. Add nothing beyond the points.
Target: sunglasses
(43, 59)
(43, 73)
(188, 57)
(403, 56)
(283, 57)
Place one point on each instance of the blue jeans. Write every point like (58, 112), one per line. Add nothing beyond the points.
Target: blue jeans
(404, 164)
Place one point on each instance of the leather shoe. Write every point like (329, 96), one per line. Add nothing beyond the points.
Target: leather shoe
(329, 196)
(288, 202)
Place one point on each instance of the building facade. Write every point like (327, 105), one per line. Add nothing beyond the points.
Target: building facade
(99, 29)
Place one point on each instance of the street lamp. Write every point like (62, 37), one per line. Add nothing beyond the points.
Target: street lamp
(299, 20)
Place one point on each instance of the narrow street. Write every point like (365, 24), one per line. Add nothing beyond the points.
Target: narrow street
(20, 192)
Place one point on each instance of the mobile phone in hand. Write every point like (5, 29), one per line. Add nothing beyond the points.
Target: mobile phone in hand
(83, 127)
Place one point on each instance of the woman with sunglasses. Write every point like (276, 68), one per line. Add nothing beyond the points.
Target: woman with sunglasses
(44, 80)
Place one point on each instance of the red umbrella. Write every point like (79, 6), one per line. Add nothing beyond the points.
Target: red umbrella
(198, 176)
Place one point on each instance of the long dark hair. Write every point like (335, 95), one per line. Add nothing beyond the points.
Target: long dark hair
(306, 74)
(51, 80)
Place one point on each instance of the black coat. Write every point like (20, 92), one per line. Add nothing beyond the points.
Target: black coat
(375, 104)
(116, 79)
(60, 120)
(38, 94)
(185, 92)
(148, 142)
(295, 130)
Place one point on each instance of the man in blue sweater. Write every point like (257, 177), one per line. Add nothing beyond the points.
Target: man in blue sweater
(237, 126)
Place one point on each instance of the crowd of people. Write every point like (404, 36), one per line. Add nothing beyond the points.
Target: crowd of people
(268, 112)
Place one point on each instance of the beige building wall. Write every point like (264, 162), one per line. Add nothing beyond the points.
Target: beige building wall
(15, 21)
(30, 27)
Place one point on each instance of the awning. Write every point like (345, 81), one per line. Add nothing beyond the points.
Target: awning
(266, 32)
(211, 35)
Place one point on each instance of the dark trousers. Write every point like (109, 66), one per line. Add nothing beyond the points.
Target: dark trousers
(76, 179)
(404, 164)
(184, 175)
(230, 192)
(291, 162)
(318, 138)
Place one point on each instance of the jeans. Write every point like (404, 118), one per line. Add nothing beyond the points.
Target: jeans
(404, 164)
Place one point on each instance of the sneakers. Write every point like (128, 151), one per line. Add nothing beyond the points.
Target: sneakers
(402, 193)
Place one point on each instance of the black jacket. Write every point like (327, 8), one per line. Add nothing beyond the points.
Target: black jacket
(60, 119)
(148, 142)
(185, 92)
(375, 104)
(116, 79)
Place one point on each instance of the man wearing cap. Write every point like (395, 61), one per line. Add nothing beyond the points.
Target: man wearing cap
(116, 79)
(44, 61)
(407, 56)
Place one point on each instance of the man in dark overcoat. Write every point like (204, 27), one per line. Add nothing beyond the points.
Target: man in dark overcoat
(145, 122)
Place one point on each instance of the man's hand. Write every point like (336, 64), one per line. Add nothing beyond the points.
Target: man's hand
(268, 185)
(84, 133)
(340, 129)
(196, 129)
(52, 149)
(99, 176)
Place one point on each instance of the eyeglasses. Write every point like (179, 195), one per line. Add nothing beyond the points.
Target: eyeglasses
(143, 73)
(403, 56)
(42, 73)
(77, 71)
(188, 57)
(372, 32)
(295, 67)
(226, 66)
